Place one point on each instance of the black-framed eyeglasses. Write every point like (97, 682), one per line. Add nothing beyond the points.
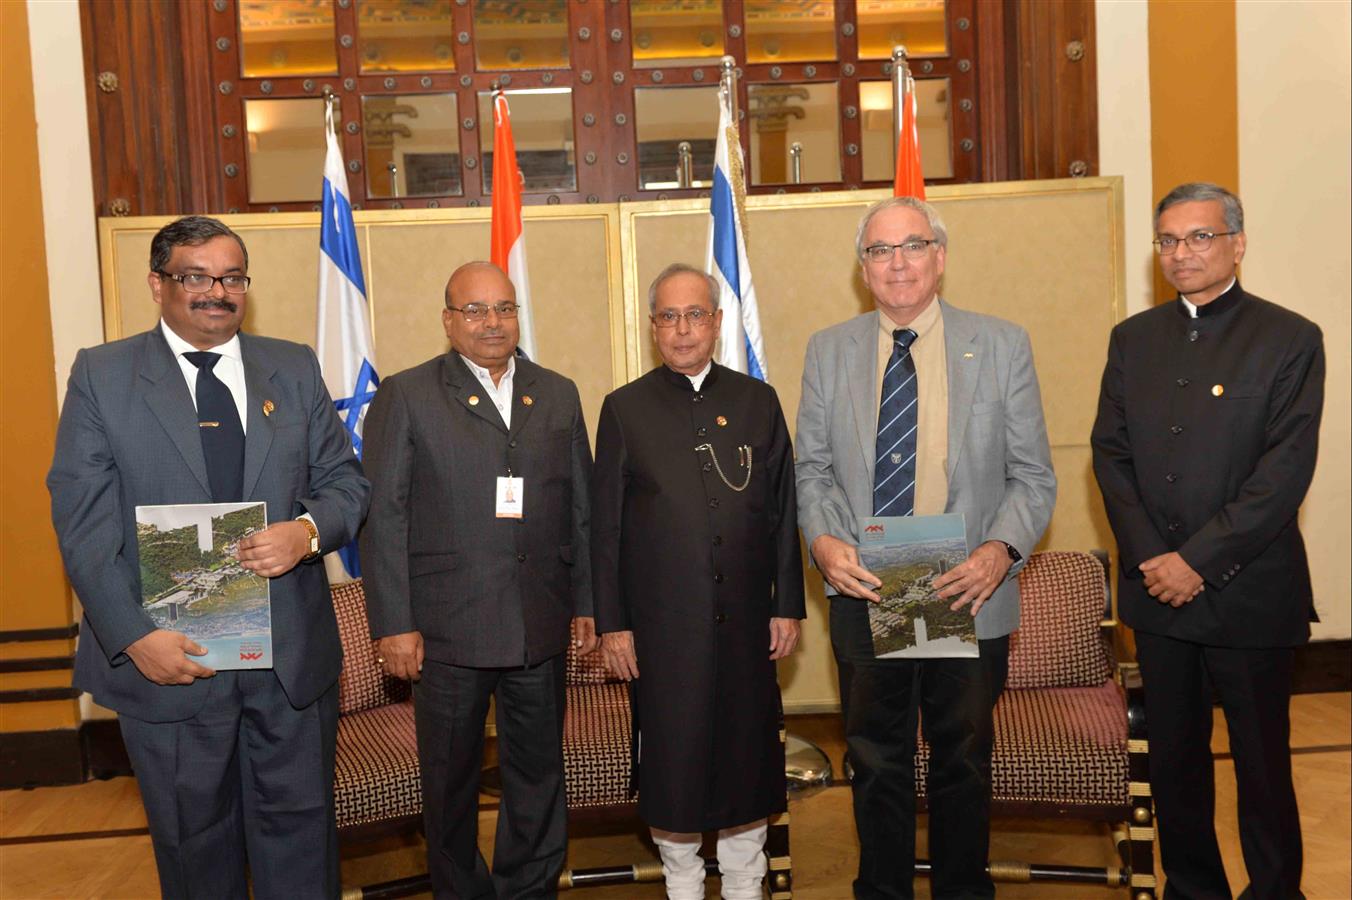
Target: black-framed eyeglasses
(477, 312)
(1197, 242)
(201, 283)
(695, 318)
(915, 249)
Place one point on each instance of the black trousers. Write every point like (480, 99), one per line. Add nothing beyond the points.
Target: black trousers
(1255, 691)
(450, 706)
(880, 700)
(249, 779)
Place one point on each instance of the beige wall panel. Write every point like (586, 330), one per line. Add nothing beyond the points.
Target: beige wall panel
(571, 275)
(590, 268)
(283, 260)
(1296, 185)
(127, 308)
(409, 264)
(806, 277)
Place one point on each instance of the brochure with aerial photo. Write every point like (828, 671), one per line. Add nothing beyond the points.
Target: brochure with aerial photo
(907, 553)
(192, 582)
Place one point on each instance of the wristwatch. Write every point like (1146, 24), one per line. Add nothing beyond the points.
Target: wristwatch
(1014, 555)
(313, 546)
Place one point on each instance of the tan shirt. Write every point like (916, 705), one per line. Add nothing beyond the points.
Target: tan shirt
(931, 372)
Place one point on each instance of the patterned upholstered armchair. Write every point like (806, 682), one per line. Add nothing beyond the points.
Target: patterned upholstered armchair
(598, 767)
(376, 779)
(1070, 726)
(376, 776)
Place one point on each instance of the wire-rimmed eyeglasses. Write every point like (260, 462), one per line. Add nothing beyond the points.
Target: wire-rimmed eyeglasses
(1197, 242)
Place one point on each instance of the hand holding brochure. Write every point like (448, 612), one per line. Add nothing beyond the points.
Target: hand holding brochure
(907, 553)
(191, 581)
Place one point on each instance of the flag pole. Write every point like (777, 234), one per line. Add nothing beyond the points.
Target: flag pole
(728, 83)
(902, 84)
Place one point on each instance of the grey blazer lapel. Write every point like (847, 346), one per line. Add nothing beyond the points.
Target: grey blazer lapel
(467, 392)
(523, 401)
(166, 393)
(259, 431)
(861, 373)
(964, 368)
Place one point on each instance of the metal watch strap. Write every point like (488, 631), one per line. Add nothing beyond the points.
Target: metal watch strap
(314, 538)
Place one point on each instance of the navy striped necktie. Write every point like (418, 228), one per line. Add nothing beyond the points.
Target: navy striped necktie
(894, 462)
(222, 432)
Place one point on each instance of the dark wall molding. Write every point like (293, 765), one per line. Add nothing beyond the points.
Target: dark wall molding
(63, 756)
(39, 695)
(1323, 667)
(37, 664)
(41, 758)
(40, 634)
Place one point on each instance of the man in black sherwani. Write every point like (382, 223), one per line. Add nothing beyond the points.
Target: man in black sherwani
(1204, 448)
(697, 577)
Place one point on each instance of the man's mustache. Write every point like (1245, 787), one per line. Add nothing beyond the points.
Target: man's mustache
(222, 303)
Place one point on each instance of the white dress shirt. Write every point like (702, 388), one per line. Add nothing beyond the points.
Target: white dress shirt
(229, 369)
(697, 380)
(500, 393)
(1192, 307)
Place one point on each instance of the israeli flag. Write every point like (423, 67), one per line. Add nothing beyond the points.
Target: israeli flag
(740, 344)
(346, 351)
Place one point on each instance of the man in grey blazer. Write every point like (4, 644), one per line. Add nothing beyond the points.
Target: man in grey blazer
(232, 766)
(976, 444)
(476, 558)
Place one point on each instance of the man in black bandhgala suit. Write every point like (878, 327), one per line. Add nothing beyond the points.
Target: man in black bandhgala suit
(697, 575)
(1204, 447)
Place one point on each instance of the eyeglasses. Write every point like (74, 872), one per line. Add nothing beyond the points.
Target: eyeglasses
(477, 312)
(695, 318)
(201, 283)
(1197, 242)
(909, 249)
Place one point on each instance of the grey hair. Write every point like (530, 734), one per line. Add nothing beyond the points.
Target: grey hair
(931, 215)
(1202, 192)
(678, 268)
(189, 231)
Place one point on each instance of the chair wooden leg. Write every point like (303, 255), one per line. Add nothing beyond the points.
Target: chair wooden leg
(1140, 848)
(780, 876)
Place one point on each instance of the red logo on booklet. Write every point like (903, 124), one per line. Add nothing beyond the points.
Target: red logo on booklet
(251, 656)
(873, 529)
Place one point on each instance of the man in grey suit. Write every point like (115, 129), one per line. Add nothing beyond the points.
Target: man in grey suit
(476, 558)
(232, 766)
(921, 408)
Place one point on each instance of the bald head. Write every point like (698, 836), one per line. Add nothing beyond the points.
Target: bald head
(484, 270)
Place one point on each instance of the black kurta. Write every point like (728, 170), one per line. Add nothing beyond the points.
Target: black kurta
(1205, 444)
(696, 570)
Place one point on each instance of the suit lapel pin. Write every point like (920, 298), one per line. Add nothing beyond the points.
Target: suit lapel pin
(473, 399)
(527, 401)
(1217, 390)
(969, 356)
(722, 421)
(268, 407)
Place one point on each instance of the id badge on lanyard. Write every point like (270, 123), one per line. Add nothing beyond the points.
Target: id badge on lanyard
(510, 492)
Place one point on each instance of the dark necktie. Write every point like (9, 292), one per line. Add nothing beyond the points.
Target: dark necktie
(894, 463)
(222, 433)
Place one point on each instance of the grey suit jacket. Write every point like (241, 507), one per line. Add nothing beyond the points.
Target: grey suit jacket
(999, 462)
(483, 591)
(129, 437)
